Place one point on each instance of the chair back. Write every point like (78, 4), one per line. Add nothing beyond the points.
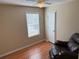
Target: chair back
(73, 44)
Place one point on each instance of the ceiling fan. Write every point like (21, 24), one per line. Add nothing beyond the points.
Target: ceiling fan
(41, 3)
(45, 3)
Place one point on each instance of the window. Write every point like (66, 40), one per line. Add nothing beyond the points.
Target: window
(33, 24)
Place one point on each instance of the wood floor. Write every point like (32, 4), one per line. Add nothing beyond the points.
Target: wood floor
(39, 51)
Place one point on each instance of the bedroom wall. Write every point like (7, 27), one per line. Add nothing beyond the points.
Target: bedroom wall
(78, 15)
(13, 31)
(67, 19)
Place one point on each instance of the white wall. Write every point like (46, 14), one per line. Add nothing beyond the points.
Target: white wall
(67, 19)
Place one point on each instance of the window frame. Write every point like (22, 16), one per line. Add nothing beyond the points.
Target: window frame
(27, 26)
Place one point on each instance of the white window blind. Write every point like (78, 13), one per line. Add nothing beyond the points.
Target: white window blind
(33, 24)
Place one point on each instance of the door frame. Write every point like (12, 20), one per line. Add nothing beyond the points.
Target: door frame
(46, 12)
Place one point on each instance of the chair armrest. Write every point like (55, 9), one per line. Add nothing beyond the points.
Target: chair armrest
(61, 43)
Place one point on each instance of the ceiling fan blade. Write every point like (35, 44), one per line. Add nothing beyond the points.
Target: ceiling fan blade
(48, 3)
(39, 1)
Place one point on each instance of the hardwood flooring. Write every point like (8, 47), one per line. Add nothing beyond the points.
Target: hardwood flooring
(38, 51)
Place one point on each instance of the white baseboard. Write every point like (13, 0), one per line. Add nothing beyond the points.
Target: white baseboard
(5, 54)
(47, 40)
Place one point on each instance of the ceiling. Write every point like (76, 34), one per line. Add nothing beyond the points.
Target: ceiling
(32, 2)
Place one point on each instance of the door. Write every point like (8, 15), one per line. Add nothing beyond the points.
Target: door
(51, 26)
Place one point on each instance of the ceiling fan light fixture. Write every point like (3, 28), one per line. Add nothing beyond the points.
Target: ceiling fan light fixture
(41, 4)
